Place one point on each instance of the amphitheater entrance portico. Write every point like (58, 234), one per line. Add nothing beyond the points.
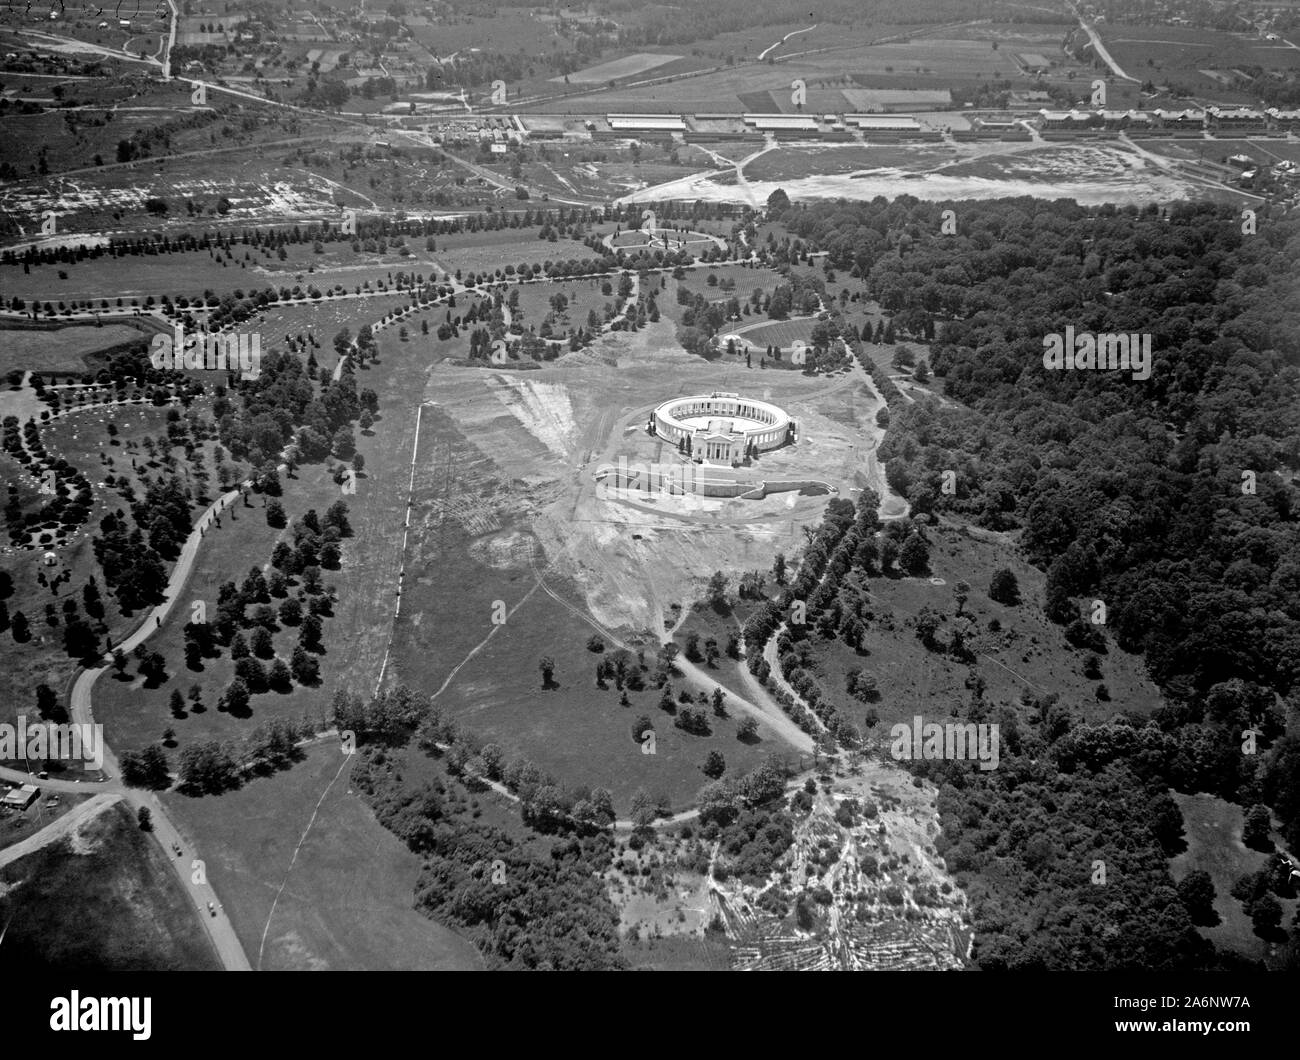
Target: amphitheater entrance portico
(717, 447)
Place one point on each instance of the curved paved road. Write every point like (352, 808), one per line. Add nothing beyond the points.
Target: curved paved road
(218, 927)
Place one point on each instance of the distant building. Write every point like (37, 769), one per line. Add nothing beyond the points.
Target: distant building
(646, 122)
(1283, 119)
(21, 797)
(883, 122)
(1068, 119)
(1235, 118)
(1180, 119)
(781, 122)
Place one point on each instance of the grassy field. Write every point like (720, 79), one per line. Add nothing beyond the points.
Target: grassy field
(618, 69)
(191, 273)
(324, 319)
(1028, 656)
(60, 349)
(135, 713)
(489, 251)
(1178, 52)
(1218, 150)
(706, 622)
(919, 63)
(785, 163)
(743, 280)
(781, 333)
(465, 552)
(1212, 828)
(347, 897)
(105, 900)
(534, 304)
(356, 638)
(80, 437)
(508, 31)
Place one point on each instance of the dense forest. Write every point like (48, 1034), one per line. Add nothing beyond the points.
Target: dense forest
(1170, 499)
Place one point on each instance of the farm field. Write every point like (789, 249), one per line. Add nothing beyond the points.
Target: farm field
(508, 30)
(751, 42)
(1179, 51)
(119, 882)
(618, 69)
(347, 897)
(755, 87)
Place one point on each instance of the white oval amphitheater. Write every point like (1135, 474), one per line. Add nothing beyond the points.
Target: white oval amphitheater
(723, 428)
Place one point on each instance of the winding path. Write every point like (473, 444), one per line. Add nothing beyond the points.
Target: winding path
(211, 915)
(794, 33)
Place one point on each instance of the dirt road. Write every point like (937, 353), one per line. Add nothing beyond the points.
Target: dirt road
(56, 830)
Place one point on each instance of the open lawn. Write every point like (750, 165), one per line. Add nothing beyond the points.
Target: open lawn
(575, 730)
(60, 349)
(1212, 828)
(103, 899)
(480, 251)
(347, 891)
(535, 304)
